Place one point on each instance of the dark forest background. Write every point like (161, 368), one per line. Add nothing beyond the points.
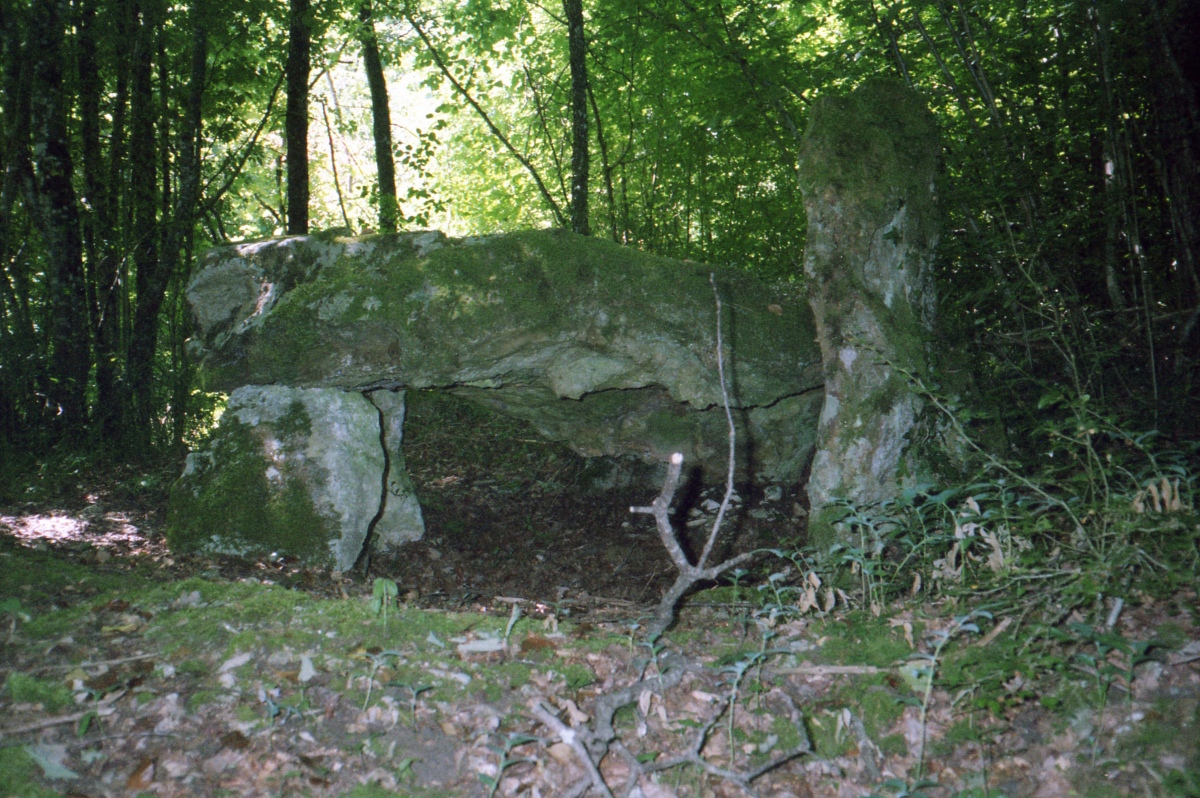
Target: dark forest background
(136, 133)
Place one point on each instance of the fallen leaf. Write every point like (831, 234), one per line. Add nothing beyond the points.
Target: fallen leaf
(142, 776)
(533, 643)
(562, 752)
(908, 630)
(235, 740)
(576, 715)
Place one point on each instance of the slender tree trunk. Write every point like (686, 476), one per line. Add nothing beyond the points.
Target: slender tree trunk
(888, 30)
(606, 167)
(177, 245)
(155, 275)
(1112, 226)
(20, 367)
(381, 123)
(337, 181)
(99, 223)
(165, 118)
(1179, 142)
(143, 143)
(55, 210)
(487, 120)
(577, 47)
(114, 293)
(296, 116)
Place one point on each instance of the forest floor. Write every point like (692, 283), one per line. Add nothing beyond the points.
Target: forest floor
(130, 670)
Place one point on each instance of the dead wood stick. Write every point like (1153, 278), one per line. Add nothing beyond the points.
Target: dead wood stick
(96, 664)
(46, 723)
(660, 509)
(830, 670)
(575, 738)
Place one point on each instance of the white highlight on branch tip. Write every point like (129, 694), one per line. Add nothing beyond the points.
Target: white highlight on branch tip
(677, 457)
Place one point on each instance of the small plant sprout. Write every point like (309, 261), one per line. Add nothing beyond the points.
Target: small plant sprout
(414, 692)
(632, 626)
(921, 669)
(513, 617)
(384, 594)
(512, 741)
(1100, 666)
(378, 659)
(404, 768)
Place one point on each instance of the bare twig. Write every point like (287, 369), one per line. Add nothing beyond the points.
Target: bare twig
(591, 743)
(66, 666)
(830, 670)
(575, 738)
(694, 756)
(690, 574)
(712, 537)
(487, 120)
(59, 720)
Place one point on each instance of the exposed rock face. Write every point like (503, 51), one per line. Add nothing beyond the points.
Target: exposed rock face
(295, 471)
(603, 347)
(867, 172)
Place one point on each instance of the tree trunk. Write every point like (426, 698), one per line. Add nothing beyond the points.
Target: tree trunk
(178, 242)
(139, 359)
(20, 364)
(296, 116)
(381, 123)
(867, 173)
(577, 48)
(53, 205)
(100, 222)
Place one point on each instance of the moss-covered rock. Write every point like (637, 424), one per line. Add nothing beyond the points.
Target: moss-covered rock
(293, 471)
(601, 346)
(867, 171)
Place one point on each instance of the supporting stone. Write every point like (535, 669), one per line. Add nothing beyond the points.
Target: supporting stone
(400, 520)
(297, 472)
(867, 171)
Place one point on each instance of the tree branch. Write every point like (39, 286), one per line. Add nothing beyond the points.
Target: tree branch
(466, 95)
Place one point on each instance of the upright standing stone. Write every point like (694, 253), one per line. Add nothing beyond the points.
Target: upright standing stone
(867, 171)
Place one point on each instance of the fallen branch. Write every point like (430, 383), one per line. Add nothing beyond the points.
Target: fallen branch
(575, 738)
(830, 670)
(59, 720)
(66, 666)
(591, 743)
(690, 574)
(695, 756)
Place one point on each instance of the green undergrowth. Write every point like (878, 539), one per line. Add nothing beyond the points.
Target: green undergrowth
(1006, 594)
(17, 773)
(38, 576)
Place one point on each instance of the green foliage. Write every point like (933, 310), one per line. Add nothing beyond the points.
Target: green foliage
(17, 771)
(697, 112)
(30, 690)
(384, 594)
(504, 750)
(577, 676)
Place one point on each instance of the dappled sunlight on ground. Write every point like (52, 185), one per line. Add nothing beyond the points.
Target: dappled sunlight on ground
(108, 533)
